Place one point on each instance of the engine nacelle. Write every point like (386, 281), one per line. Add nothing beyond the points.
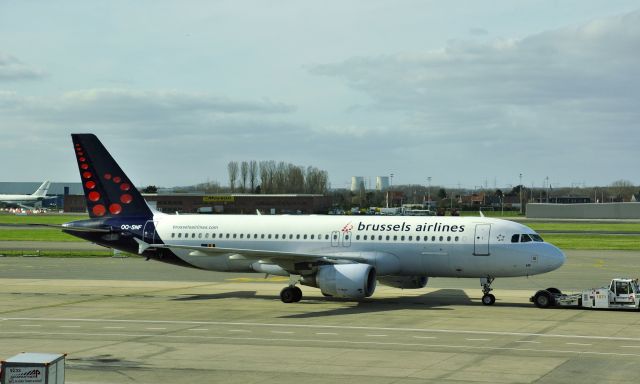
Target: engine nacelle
(353, 281)
(405, 282)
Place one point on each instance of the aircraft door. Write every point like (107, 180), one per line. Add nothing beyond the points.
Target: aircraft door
(481, 240)
(149, 232)
(340, 239)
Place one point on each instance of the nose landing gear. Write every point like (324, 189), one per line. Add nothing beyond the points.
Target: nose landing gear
(487, 298)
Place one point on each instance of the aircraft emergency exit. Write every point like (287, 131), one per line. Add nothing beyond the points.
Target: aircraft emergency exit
(343, 256)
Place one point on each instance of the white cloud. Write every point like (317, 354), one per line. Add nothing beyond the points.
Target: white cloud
(12, 69)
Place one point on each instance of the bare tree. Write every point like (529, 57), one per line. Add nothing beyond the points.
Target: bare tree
(253, 174)
(244, 173)
(232, 167)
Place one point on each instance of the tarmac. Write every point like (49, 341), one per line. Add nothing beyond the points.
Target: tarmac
(133, 321)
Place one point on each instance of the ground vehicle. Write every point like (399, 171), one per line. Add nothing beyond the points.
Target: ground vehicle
(622, 293)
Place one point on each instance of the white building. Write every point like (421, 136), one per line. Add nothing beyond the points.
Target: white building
(357, 182)
(382, 183)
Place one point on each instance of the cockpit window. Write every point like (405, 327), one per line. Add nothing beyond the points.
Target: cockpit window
(515, 238)
(524, 238)
(537, 238)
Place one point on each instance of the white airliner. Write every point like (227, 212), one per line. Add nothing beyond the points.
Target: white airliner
(38, 195)
(343, 256)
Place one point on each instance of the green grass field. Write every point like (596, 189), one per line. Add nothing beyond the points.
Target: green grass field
(36, 234)
(6, 218)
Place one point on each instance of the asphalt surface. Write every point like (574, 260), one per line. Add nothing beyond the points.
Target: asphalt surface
(133, 321)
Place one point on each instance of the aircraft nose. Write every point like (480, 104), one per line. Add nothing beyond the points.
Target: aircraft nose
(553, 257)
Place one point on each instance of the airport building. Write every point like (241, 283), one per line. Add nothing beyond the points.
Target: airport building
(224, 203)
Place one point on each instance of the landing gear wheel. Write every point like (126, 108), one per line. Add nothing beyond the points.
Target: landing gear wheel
(297, 294)
(488, 299)
(290, 294)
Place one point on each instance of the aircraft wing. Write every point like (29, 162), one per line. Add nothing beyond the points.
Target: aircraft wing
(275, 257)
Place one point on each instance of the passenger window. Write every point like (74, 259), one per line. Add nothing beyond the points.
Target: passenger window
(410, 238)
(186, 235)
(395, 238)
(364, 237)
(277, 236)
(234, 235)
(269, 236)
(312, 236)
(193, 235)
(227, 236)
(357, 237)
(426, 238)
(173, 235)
(298, 237)
(291, 236)
(200, 235)
(335, 237)
(417, 238)
(457, 238)
(304, 237)
(346, 237)
(179, 235)
(326, 237)
(213, 235)
(242, 235)
(515, 238)
(401, 238)
(441, 238)
(206, 235)
(262, 236)
(255, 235)
(448, 238)
(388, 237)
(433, 238)
(379, 237)
(524, 238)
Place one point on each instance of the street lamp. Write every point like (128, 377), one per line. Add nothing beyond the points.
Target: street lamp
(429, 192)
(521, 194)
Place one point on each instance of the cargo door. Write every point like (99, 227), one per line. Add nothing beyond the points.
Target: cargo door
(481, 240)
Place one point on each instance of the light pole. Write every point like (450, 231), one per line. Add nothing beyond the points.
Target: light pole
(429, 192)
(521, 194)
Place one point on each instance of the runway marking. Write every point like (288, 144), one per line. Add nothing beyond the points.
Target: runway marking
(283, 332)
(327, 333)
(424, 337)
(156, 329)
(377, 335)
(240, 330)
(197, 329)
(332, 327)
(69, 326)
(478, 339)
(322, 341)
(581, 344)
(113, 327)
(30, 325)
(630, 346)
(527, 341)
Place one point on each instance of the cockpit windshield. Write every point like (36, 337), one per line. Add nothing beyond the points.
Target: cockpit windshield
(526, 238)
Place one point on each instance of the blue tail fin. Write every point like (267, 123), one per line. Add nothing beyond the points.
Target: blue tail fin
(107, 190)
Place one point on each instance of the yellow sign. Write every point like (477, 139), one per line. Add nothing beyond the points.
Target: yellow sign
(218, 199)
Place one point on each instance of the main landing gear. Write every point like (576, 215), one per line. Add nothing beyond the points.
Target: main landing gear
(291, 294)
(487, 298)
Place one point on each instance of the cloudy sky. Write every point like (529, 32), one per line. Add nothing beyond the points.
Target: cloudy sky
(466, 92)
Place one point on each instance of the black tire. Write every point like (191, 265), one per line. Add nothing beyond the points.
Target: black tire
(488, 299)
(297, 294)
(287, 295)
(543, 299)
(554, 291)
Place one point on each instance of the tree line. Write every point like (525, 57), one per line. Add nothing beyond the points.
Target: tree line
(271, 177)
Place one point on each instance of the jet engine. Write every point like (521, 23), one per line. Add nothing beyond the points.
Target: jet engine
(405, 282)
(353, 281)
